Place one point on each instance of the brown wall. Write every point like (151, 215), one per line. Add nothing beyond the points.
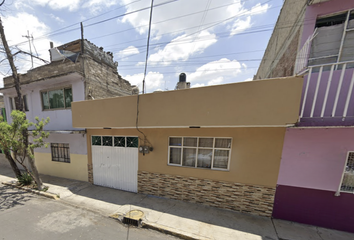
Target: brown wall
(285, 66)
(255, 153)
(273, 102)
(284, 37)
(103, 81)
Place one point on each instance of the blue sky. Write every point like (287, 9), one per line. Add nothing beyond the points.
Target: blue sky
(212, 41)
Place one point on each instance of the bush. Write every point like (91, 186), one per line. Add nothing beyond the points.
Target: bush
(25, 179)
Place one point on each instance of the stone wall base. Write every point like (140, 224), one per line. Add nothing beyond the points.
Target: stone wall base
(239, 197)
(90, 173)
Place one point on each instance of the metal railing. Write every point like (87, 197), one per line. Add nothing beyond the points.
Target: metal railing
(324, 87)
(303, 55)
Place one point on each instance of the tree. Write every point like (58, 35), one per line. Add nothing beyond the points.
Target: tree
(13, 140)
(19, 106)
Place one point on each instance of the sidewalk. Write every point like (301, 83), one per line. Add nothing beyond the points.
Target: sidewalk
(194, 221)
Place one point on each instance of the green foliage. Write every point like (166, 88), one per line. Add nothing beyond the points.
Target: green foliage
(12, 137)
(25, 179)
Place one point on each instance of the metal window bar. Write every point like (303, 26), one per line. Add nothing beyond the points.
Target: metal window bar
(60, 152)
(348, 175)
(343, 37)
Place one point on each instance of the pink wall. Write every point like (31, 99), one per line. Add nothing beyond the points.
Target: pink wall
(313, 11)
(315, 157)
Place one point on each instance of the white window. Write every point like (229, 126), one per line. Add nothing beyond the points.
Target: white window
(200, 152)
(57, 99)
(348, 175)
(334, 40)
(13, 103)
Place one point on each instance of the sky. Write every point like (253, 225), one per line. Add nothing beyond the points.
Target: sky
(211, 41)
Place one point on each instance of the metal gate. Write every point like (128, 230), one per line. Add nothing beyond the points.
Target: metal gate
(115, 162)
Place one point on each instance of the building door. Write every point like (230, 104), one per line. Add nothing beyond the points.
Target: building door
(115, 162)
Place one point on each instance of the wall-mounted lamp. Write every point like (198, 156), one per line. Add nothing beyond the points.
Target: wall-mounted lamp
(145, 149)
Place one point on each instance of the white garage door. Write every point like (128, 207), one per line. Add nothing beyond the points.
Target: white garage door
(115, 162)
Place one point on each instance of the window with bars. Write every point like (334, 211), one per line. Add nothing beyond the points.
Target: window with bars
(60, 152)
(348, 176)
(334, 39)
(200, 152)
(57, 99)
(115, 141)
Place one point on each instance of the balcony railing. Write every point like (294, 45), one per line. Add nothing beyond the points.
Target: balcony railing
(327, 98)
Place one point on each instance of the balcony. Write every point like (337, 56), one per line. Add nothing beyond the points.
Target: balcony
(327, 97)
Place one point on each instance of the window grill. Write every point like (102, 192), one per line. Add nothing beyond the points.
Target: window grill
(115, 141)
(348, 176)
(60, 152)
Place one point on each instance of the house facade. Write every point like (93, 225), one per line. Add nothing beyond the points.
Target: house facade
(222, 151)
(316, 177)
(78, 71)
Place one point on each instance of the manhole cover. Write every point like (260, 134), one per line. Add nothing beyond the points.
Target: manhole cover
(133, 217)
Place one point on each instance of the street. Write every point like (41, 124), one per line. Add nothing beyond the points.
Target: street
(28, 216)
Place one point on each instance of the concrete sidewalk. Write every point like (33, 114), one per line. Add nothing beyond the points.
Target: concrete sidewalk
(193, 221)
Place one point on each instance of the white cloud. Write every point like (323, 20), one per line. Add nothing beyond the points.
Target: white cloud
(248, 79)
(197, 21)
(182, 47)
(56, 18)
(194, 18)
(128, 51)
(96, 6)
(153, 80)
(216, 72)
(198, 85)
(240, 26)
(259, 9)
(58, 4)
(15, 28)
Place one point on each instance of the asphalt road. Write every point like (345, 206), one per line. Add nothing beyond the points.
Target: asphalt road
(31, 217)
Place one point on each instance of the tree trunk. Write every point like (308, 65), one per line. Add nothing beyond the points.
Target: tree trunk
(19, 102)
(13, 164)
(37, 179)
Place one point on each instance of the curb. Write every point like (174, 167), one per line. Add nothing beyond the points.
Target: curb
(160, 228)
(44, 194)
(172, 231)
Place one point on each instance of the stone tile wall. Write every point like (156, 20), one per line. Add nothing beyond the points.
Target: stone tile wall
(90, 173)
(239, 197)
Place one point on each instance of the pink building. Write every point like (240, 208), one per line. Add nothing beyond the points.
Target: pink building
(315, 39)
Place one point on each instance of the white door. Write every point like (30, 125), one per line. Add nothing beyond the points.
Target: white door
(115, 162)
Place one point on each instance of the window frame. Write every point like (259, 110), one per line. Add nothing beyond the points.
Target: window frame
(113, 136)
(54, 89)
(338, 56)
(213, 148)
(13, 103)
(65, 159)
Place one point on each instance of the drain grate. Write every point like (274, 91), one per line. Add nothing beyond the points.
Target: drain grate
(131, 222)
(133, 218)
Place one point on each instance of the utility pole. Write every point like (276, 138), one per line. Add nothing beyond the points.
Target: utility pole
(29, 42)
(147, 45)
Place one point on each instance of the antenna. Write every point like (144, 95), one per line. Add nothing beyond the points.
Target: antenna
(29, 43)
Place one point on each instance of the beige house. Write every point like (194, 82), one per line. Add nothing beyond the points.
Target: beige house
(220, 145)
